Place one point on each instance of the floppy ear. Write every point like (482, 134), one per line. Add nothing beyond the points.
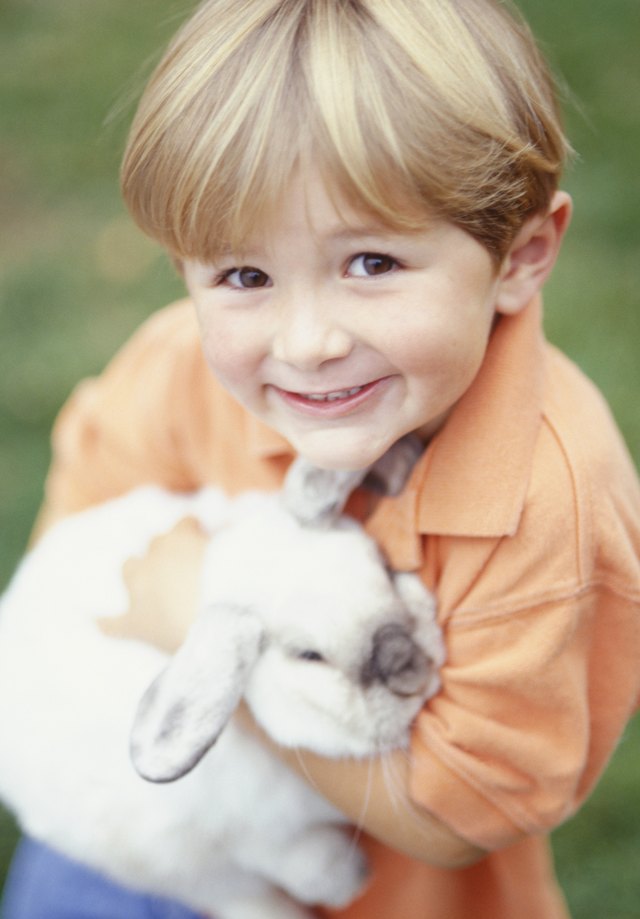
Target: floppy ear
(184, 710)
(316, 497)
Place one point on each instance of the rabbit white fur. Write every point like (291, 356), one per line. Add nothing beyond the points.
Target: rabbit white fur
(329, 649)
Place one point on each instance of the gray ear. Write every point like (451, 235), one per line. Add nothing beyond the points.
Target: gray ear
(185, 709)
(316, 497)
(389, 474)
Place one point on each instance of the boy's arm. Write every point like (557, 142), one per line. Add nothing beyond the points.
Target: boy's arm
(528, 720)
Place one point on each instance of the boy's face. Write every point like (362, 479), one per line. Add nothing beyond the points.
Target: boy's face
(341, 334)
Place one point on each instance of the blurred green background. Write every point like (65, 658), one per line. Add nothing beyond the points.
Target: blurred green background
(76, 279)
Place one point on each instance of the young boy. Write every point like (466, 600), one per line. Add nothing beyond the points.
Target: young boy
(363, 199)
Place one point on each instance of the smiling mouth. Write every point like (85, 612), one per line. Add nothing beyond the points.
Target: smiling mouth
(330, 396)
(332, 403)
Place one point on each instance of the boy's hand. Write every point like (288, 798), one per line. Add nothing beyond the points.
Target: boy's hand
(163, 589)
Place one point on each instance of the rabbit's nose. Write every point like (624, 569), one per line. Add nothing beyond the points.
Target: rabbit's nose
(397, 661)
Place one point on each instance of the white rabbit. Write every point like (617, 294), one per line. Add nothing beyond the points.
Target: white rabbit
(330, 651)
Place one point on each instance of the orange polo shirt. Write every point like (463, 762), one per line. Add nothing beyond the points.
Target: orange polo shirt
(523, 514)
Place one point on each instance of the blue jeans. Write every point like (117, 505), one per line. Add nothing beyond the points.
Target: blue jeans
(43, 884)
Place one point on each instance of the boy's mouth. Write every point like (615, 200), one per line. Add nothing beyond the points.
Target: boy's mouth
(332, 402)
(330, 396)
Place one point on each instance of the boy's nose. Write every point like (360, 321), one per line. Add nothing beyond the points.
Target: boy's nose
(307, 336)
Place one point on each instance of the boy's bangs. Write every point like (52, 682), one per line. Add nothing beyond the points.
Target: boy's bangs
(244, 194)
(398, 120)
(224, 162)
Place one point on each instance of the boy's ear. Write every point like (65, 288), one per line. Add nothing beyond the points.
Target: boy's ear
(532, 255)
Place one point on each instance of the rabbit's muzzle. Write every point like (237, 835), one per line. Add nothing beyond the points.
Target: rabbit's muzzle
(397, 662)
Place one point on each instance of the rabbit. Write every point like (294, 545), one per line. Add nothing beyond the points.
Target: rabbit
(298, 615)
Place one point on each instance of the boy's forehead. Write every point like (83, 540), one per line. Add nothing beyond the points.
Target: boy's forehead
(312, 203)
(335, 232)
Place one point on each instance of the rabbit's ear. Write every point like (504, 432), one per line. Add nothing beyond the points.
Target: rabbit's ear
(316, 497)
(389, 474)
(185, 709)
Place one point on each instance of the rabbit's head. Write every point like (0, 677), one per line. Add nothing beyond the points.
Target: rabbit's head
(331, 651)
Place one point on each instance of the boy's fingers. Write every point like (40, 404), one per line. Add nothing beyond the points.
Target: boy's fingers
(163, 588)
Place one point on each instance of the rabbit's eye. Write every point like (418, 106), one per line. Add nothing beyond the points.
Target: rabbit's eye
(311, 656)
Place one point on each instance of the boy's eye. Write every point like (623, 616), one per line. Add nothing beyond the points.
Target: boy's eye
(369, 264)
(246, 277)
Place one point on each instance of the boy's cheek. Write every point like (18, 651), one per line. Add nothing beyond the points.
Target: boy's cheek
(231, 354)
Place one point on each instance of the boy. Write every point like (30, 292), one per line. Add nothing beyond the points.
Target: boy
(362, 197)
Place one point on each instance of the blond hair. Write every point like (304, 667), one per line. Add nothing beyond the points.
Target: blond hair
(411, 108)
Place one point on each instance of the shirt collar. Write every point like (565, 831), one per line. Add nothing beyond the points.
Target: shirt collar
(472, 480)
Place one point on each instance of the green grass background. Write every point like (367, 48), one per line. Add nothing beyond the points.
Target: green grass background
(76, 279)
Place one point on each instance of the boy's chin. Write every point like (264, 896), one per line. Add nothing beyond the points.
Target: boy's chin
(330, 451)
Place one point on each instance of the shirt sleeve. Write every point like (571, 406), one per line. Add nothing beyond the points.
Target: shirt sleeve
(126, 427)
(543, 636)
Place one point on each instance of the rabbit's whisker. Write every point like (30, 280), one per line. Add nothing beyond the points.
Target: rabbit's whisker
(368, 790)
(392, 781)
(300, 756)
(395, 787)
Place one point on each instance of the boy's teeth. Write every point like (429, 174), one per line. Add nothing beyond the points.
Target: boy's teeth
(332, 396)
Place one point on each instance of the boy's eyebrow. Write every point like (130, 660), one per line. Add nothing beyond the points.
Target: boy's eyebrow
(340, 233)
